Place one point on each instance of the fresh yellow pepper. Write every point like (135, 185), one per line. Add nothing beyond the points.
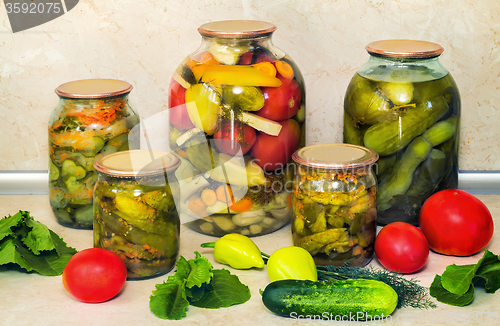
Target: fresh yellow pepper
(291, 263)
(238, 75)
(237, 251)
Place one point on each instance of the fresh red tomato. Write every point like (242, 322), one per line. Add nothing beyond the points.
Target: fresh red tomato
(401, 247)
(94, 275)
(456, 223)
(178, 114)
(230, 139)
(273, 152)
(281, 103)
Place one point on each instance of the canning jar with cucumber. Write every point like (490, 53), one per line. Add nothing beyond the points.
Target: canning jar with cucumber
(236, 116)
(334, 203)
(93, 118)
(405, 105)
(135, 210)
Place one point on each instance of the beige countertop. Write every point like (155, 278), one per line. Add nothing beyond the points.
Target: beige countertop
(32, 299)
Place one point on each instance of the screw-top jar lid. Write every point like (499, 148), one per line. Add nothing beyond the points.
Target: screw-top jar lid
(335, 156)
(405, 49)
(135, 163)
(236, 29)
(93, 88)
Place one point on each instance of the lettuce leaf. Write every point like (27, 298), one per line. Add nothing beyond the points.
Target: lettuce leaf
(32, 246)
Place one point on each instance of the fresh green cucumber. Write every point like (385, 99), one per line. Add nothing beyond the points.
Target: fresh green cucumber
(360, 297)
(402, 174)
(389, 136)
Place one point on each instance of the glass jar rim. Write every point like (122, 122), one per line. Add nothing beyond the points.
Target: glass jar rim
(93, 88)
(237, 29)
(403, 48)
(137, 163)
(335, 156)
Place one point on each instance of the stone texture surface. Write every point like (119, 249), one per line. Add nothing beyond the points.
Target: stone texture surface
(143, 41)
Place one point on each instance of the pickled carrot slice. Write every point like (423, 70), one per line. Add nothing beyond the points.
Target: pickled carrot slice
(284, 69)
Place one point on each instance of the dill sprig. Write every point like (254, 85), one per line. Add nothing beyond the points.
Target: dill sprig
(410, 293)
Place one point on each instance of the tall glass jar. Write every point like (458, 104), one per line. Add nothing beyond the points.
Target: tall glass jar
(237, 113)
(405, 106)
(93, 118)
(135, 212)
(334, 203)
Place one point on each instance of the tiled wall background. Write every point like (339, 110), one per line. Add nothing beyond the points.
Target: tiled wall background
(143, 41)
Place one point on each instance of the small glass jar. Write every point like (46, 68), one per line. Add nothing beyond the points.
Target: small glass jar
(93, 118)
(135, 212)
(405, 106)
(334, 203)
(237, 114)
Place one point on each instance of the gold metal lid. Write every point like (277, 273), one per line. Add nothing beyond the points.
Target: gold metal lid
(236, 29)
(405, 49)
(335, 156)
(93, 88)
(137, 163)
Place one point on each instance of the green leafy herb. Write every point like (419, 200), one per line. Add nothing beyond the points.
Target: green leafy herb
(456, 285)
(32, 246)
(410, 293)
(196, 283)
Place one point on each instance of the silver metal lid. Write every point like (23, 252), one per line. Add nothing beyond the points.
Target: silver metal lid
(134, 163)
(335, 156)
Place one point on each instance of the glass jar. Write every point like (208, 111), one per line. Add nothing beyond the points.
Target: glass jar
(405, 106)
(135, 212)
(237, 113)
(93, 118)
(334, 203)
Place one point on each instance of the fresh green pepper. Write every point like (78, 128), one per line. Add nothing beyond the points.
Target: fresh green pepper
(237, 251)
(291, 263)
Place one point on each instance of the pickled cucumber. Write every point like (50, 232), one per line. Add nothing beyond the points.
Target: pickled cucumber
(364, 103)
(397, 93)
(389, 136)
(441, 131)
(402, 173)
(248, 98)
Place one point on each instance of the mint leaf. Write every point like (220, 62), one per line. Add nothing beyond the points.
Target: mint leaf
(200, 271)
(457, 279)
(227, 291)
(169, 299)
(437, 291)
